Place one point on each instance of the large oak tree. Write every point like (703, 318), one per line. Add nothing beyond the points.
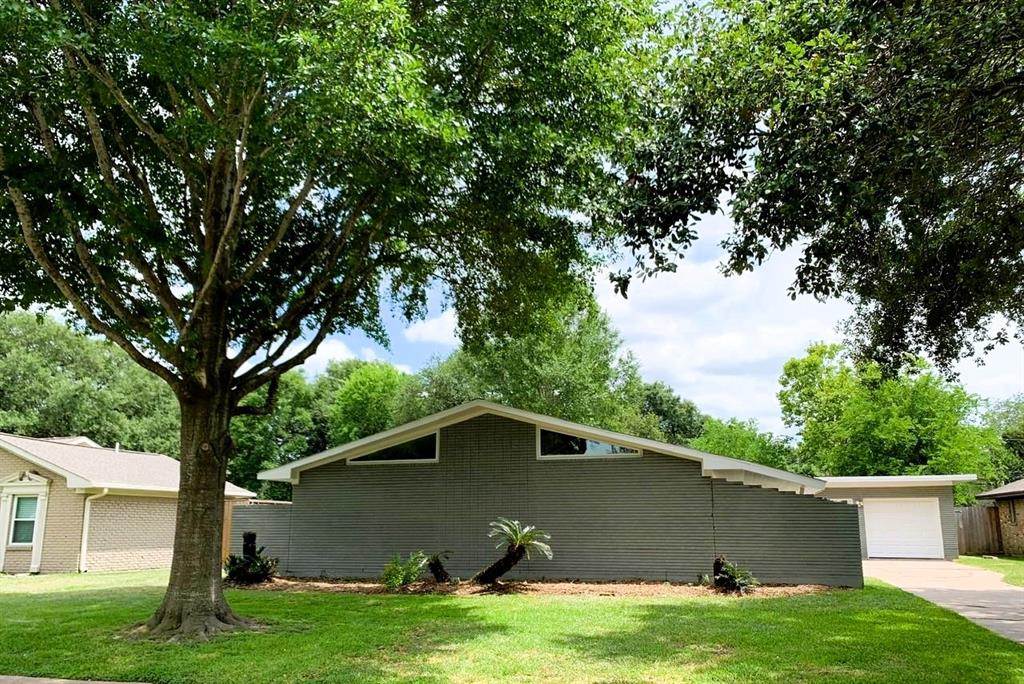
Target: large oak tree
(882, 139)
(218, 186)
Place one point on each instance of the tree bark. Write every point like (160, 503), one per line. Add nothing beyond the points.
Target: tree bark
(194, 606)
(490, 574)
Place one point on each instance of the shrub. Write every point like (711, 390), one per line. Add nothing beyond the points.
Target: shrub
(401, 572)
(731, 577)
(435, 564)
(518, 540)
(253, 566)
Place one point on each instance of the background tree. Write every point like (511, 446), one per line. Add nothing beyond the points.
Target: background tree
(367, 402)
(678, 419)
(55, 381)
(285, 434)
(1007, 419)
(882, 139)
(570, 365)
(217, 187)
(855, 420)
(745, 440)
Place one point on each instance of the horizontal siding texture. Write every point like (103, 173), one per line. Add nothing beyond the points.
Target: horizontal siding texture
(272, 525)
(614, 518)
(787, 538)
(944, 493)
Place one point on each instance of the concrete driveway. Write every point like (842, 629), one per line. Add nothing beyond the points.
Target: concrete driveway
(979, 595)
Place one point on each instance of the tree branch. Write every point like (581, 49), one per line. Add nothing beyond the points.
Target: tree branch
(80, 306)
(275, 240)
(266, 408)
(162, 142)
(114, 300)
(301, 308)
(227, 239)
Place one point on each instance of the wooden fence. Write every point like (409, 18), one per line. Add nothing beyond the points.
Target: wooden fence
(978, 530)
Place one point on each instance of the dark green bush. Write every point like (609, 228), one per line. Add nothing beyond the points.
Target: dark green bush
(253, 566)
(401, 572)
(731, 577)
(435, 564)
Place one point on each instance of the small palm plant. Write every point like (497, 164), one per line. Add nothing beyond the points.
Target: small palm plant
(518, 540)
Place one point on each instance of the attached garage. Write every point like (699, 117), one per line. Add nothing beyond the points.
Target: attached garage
(907, 516)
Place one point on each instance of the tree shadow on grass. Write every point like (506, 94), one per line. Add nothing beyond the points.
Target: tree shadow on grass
(308, 637)
(871, 635)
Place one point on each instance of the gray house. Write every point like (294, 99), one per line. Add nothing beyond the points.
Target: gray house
(617, 506)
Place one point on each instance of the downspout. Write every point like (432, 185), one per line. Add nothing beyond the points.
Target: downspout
(83, 563)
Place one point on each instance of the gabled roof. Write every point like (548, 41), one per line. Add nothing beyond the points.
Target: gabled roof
(712, 465)
(1010, 490)
(93, 467)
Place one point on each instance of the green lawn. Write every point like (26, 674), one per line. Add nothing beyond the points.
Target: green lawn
(1012, 569)
(67, 626)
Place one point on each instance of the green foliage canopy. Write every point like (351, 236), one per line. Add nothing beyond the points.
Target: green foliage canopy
(571, 366)
(853, 419)
(366, 403)
(1007, 418)
(882, 139)
(58, 382)
(743, 439)
(678, 419)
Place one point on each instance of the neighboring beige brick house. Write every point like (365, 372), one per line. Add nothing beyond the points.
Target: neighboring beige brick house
(70, 505)
(1010, 500)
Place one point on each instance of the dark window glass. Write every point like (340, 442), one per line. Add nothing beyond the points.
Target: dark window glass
(24, 526)
(422, 449)
(561, 444)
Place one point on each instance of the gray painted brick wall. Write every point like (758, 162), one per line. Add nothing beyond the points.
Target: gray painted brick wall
(654, 517)
(272, 525)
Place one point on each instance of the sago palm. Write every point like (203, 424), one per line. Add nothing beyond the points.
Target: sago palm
(519, 540)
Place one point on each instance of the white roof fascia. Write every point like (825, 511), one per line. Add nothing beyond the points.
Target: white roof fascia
(896, 480)
(424, 426)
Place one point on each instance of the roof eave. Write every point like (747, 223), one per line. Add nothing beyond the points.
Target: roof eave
(896, 480)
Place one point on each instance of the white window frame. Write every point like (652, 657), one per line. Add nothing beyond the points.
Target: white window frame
(15, 519)
(403, 461)
(23, 484)
(635, 453)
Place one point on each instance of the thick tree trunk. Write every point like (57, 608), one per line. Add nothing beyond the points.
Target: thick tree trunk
(194, 606)
(490, 574)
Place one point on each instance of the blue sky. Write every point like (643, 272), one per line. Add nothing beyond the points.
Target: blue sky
(720, 341)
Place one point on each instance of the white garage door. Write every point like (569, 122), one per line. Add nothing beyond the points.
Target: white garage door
(903, 528)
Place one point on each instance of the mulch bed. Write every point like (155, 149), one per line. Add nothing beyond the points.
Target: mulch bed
(629, 589)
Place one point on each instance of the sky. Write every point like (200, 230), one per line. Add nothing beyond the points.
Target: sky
(719, 341)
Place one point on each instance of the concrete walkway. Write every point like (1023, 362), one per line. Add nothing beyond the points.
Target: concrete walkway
(979, 595)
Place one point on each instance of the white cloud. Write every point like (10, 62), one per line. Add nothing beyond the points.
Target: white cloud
(331, 349)
(438, 330)
(721, 341)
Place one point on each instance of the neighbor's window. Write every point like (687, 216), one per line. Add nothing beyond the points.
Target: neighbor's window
(23, 527)
(558, 444)
(421, 450)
